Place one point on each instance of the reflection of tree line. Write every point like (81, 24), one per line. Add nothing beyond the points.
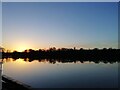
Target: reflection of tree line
(53, 61)
(67, 55)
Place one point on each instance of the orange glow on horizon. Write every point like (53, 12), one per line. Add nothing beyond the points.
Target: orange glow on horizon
(18, 47)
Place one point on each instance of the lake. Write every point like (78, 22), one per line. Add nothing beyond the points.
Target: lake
(55, 74)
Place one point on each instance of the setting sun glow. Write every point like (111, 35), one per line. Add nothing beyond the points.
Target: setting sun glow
(22, 47)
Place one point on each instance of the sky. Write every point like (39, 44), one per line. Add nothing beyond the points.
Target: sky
(59, 0)
(53, 24)
(0, 23)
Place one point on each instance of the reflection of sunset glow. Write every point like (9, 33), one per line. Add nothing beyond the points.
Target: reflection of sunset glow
(7, 60)
(20, 61)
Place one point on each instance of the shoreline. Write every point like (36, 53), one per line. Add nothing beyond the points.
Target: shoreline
(11, 84)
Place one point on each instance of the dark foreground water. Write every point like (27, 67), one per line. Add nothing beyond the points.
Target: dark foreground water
(44, 74)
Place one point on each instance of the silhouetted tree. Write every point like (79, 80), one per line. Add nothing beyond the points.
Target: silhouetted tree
(67, 54)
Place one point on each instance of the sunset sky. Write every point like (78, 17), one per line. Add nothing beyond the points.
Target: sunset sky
(44, 25)
(0, 24)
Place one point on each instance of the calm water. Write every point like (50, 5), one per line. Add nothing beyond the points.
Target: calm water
(44, 74)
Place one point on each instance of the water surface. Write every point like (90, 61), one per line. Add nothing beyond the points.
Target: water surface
(43, 74)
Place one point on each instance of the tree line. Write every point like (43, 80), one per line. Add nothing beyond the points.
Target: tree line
(66, 53)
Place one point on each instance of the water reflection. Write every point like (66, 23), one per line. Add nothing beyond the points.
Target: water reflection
(50, 73)
(53, 61)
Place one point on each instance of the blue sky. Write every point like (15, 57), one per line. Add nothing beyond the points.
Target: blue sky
(0, 23)
(44, 25)
(60, 0)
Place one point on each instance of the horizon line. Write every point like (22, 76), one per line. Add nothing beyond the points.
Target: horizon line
(74, 48)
